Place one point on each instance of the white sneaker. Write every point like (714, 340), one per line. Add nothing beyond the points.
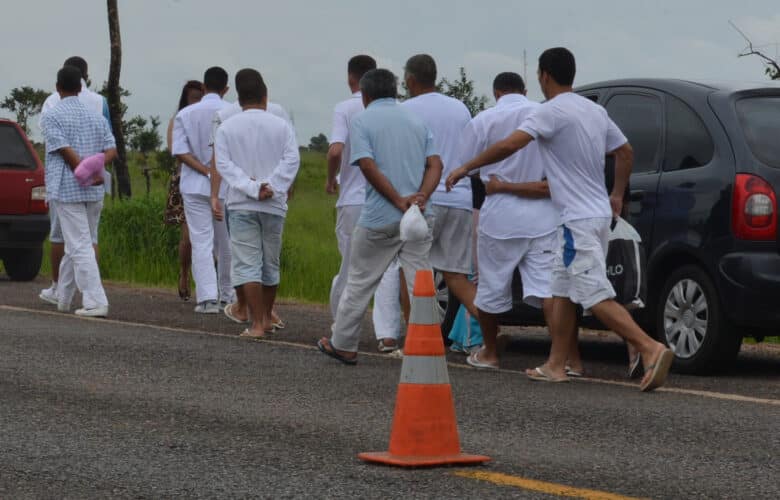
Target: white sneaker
(49, 295)
(94, 312)
(207, 307)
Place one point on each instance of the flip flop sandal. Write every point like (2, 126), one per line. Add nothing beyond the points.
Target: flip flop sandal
(658, 371)
(572, 373)
(633, 366)
(249, 335)
(228, 310)
(335, 355)
(381, 347)
(473, 360)
(539, 375)
(279, 325)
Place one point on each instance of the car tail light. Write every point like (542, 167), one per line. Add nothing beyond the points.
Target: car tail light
(38, 200)
(753, 209)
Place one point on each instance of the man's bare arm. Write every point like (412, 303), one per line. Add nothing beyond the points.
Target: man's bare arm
(192, 162)
(624, 162)
(216, 183)
(536, 190)
(70, 156)
(110, 154)
(381, 183)
(431, 178)
(496, 152)
(334, 165)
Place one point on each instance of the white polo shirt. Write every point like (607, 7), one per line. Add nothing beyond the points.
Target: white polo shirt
(503, 215)
(352, 184)
(574, 135)
(235, 108)
(446, 118)
(192, 129)
(256, 147)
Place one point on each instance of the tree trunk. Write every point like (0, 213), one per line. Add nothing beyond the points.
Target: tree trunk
(114, 100)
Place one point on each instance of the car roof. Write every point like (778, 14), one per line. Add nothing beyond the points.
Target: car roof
(679, 85)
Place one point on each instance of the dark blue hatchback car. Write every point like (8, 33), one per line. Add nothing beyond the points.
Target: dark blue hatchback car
(703, 196)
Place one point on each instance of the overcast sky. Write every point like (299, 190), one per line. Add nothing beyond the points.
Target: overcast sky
(301, 47)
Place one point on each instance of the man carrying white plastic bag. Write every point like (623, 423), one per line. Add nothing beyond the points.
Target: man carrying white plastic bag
(394, 150)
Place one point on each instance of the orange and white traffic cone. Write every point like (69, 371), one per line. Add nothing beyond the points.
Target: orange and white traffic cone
(425, 432)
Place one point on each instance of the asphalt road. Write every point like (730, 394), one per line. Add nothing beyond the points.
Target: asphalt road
(158, 402)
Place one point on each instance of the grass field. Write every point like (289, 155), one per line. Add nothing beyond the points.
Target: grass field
(136, 247)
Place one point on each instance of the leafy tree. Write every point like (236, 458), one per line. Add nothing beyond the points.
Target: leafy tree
(25, 102)
(318, 143)
(463, 90)
(143, 136)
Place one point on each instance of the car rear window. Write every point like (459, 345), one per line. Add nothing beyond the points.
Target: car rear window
(13, 149)
(760, 120)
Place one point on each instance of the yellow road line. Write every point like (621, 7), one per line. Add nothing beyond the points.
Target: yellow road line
(540, 486)
(460, 366)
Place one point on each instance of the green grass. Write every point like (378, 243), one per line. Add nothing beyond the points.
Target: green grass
(136, 247)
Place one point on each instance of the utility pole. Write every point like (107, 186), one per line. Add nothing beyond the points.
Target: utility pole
(525, 68)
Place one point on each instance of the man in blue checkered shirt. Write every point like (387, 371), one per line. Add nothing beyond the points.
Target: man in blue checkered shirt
(72, 132)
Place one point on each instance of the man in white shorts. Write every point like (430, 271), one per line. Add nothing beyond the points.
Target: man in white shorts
(574, 135)
(446, 118)
(517, 223)
(348, 182)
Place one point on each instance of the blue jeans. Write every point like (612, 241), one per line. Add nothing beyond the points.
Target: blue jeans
(256, 245)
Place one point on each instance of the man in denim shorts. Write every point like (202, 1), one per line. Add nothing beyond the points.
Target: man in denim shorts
(257, 156)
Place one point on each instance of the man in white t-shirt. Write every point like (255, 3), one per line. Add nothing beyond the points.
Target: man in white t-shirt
(347, 181)
(192, 145)
(96, 103)
(573, 135)
(257, 155)
(517, 222)
(446, 118)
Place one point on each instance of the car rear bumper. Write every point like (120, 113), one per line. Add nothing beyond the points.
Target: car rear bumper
(750, 289)
(23, 231)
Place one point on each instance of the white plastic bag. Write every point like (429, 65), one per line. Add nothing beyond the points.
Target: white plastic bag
(413, 225)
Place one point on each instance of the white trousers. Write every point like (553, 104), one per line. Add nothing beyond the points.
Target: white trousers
(386, 315)
(208, 237)
(79, 268)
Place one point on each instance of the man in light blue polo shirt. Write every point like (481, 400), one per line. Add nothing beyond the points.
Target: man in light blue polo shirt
(394, 150)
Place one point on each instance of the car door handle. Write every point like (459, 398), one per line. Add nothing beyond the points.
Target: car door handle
(637, 195)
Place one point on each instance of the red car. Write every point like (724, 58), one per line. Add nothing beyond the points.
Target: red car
(24, 215)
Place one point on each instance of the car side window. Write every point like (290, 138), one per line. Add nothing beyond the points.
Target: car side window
(639, 116)
(688, 143)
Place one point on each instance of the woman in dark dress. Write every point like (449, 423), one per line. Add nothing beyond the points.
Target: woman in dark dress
(174, 210)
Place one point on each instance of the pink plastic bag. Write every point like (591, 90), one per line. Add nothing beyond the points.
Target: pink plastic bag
(90, 169)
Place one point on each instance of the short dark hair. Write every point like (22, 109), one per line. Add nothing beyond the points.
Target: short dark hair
(78, 62)
(359, 65)
(69, 79)
(215, 79)
(250, 87)
(379, 84)
(423, 68)
(190, 85)
(509, 82)
(559, 63)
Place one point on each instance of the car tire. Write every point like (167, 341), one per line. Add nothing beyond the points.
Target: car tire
(690, 320)
(448, 305)
(23, 264)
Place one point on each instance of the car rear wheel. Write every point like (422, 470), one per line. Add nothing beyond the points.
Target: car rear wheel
(447, 303)
(22, 264)
(690, 321)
